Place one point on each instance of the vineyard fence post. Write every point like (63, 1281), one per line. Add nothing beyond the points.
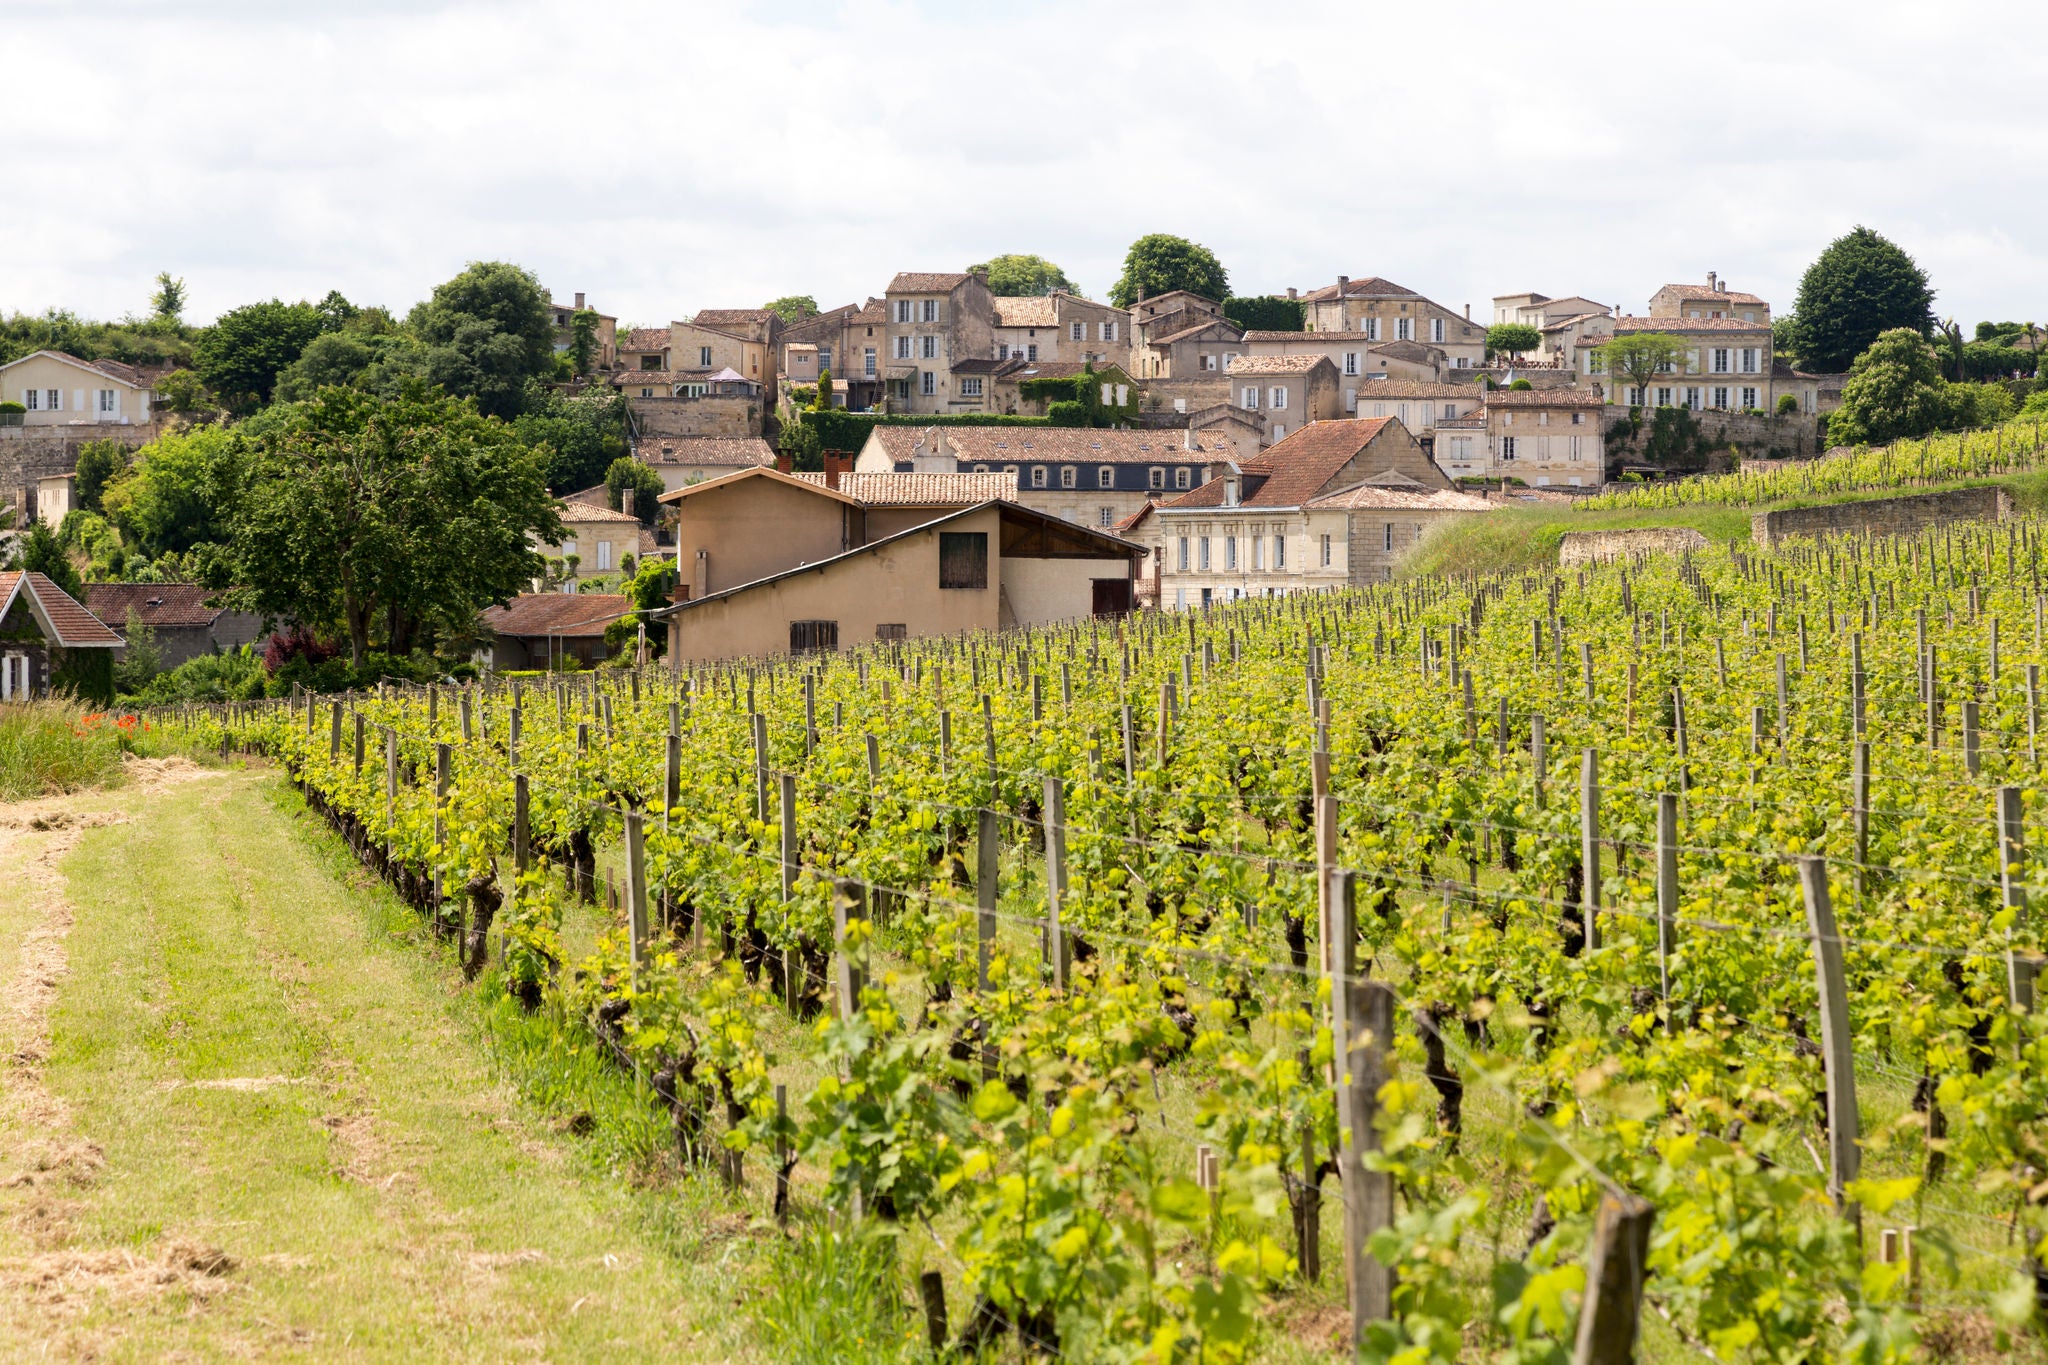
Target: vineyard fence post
(1837, 1044)
(1589, 845)
(636, 888)
(848, 977)
(1364, 1012)
(1667, 893)
(1054, 940)
(1616, 1268)
(2012, 857)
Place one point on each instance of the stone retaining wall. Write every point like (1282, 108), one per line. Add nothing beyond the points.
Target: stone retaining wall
(1882, 516)
(1600, 547)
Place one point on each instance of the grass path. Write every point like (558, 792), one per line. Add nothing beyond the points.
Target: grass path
(241, 1115)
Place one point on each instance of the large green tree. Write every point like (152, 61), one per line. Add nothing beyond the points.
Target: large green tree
(242, 354)
(1159, 263)
(1894, 390)
(167, 304)
(362, 515)
(180, 491)
(1860, 286)
(488, 331)
(627, 472)
(41, 552)
(1639, 357)
(1017, 274)
(580, 435)
(1512, 338)
(793, 307)
(98, 464)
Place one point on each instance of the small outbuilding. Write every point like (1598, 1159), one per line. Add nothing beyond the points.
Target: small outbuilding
(49, 642)
(553, 630)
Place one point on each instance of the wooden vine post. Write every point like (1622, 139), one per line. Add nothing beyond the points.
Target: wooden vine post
(987, 860)
(1667, 893)
(1362, 1014)
(636, 888)
(2012, 859)
(1055, 940)
(1616, 1268)
(1837, 1054)
(1589, 845)
(848, 963)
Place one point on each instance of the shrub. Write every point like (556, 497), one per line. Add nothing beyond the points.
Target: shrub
(1067, 414)
(1520, 384)
(1787, 404)
(50, 747)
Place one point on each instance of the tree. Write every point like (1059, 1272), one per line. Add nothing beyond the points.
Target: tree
(1266, 313)
(579, 435)
(241, 355)
(582, 340)
(167, 304)
(140, 661)
(1895, 389)
(1639, 357)
(331, 358)
(181, 392)
(99, 462)
(180, 491)
(1019, 274)
(406, 514)
(627, 472)
(488, 331)
(804, 446)
(41, 552)
(335, 311)
(793, 307)
(1861, 286)
(824, 401)
(1160, 263)
(1512, 338)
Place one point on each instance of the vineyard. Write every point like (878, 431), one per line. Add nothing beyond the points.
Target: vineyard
(1536, 967)
(2014, 448)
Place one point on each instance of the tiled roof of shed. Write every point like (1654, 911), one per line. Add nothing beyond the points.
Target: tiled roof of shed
(572, 615)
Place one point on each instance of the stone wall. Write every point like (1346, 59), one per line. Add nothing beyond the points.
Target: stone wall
(1795, 436)
(711, 415)
(1882, 516)
(1599, 547)
(31, 453)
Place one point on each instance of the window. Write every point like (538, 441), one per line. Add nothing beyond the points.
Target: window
(928, 347)
(1720, 360)
(903, 310)
(1230, 552)
(703, 357)
(1031, 351)
(1208, 362)
(647, 393)
(1326, 549)
(1250, 397)
(1507, 419)
(1180, 477)
(1351, 400)
(1279, 552)
(1202, 552)
(963, 559)
(928, 383)
(1258, 553)
(824, 357)
(1450, 412)
(53, 399)
(1575, 446)
(1390, 536)
(569, 547)
(604, 555)
(810, 637)
(970, 386)
(903, 348)
(1181, 559)
(1578, 419)
(1069, 476)
(1507, 448)
(1109, 331)
(1664, 398)
(1038, 476)
(1436, 329)
(1105, 516)
(867, 361)
(1003, 351)
(1078, 331)
(1404, 329)
(1105, 476)
(1749, 398)
(1155, 477)
(1720, 397)
(981, 469)
(1749, 360)
(1542, 419)
(1279, 432)
(1351, 362)
(1372, 329)
(32, 399)
(889, 630)
(1692, 399)
(1279, 398)
(931, 310)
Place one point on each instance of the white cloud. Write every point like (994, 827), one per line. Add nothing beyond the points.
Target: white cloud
(666, 158)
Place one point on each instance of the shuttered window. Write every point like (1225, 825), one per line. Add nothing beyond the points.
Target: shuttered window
(892, 631)
(806, 637)
(963, 559)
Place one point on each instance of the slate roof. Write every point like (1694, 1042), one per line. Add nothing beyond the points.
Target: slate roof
(738, 451)
(922, 490)
(1295, 470)
(926, 282)
(571, 615)
(160, 606)
(1073, 445)
(65, 618)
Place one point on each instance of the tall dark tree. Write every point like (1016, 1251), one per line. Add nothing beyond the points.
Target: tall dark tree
(242, 354)
(488, 331)
(1160, 263)
(362, 515)
(1862, 285)
(41, 552)
(627, 472)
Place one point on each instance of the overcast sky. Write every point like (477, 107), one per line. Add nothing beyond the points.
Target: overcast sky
(669, 157)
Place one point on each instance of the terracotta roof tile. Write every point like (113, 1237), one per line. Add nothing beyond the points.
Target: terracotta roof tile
(164, 605)
(1679, 326)
(1543, 398)
(1201, 324)
(1073, 445)
(1368, 497)
(590, 514)
(733, 317)
(923, 490)
(572, 615)
(1371, 287)
(1276, 364)
(926, 282)
(73, 625)
(1700, 291)
(738, 451)
(1381, 389)
(1026, 311)
(1296, 469)
(645, 339)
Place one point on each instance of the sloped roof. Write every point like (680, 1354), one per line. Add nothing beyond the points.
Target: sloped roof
(926, 282)
(112, 369)
(1026, 311)
(1701, 293)
(1543, 398)
(589, 514)
(563, 615)
(1372, 496)
(1058, 369)
(1370, 287)
(1382, 389)
(1681, 324)
(810, 483)
(741, 452)
(1205, 322)
(64, 619)
(734, 317)
(873, 313)
(645, 339)
(1295, 470)
(922, 490)
(156, 605)
(1276, 364)
(1006, 444)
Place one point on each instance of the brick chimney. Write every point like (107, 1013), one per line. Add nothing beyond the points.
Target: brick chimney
(837, 462)
(579, 300)
(1343, 283)
(782, 462)
(1468, 312)
(626, 502)
(1713, 283)
(1290, 291)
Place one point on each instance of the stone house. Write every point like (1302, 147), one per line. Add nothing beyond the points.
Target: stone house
(184, 623)
(1335, 503)
(851, 342)
(1541, 310)
(996, 566)
(606, 354)
(1088, 476)
(743, 340)
(1716, 300)
(1286, 391)
(1385, 311)
(644, 349)
(61, 390)
(1544, 437)
(1418, 407)
(1726, 365)
(553, 630)
(1007, 395)
(48, 641)
(600, 540)
(1061, 327)
(937, 321)
(1359, 363)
